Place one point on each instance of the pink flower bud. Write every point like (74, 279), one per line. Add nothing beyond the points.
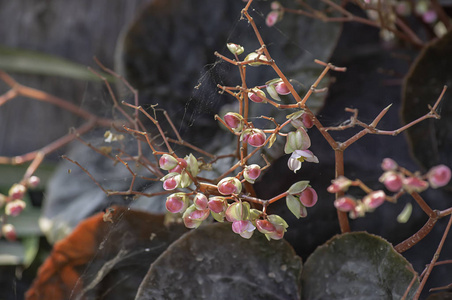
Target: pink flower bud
(272, 18)
(181, 165)
(33, 182)
(17, 191)
(229, 185)
(429, 16)
(234, 120)
(251, 173)
(281, 88)
(439, 176)
(235, 49)
(307, 121)
(414, 184)
(217, 204)
(176, 203)
(200, 201)
(308, 197)
(345, 204)
(254, 137)
(374, 199)
(388, 164)
(9, 232)
(15, 207)
(167, 162)
(271, 230)
(244, 228)
(253, 95)
(265, 226)
(171, 183)
(275, 5)
(341, 183)
(193, 217)
(393, 181)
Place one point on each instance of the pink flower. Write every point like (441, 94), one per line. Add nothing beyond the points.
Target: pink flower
(17, 191)
(244, 228)
(388, 164)
(281, 88)
(176, 203)
(254, 137)
(9, 232)
(15, 207)
(234, 121)
(200, 201)
(308, 197)
(193, 217)
(374, 199)
(273, 228)
(345, 204)
(341, 183)
(439, 176)
(33, 182)
(217, 204)
(172, 182)
(414, 184)
(167, 162)
(393, 181)
(253, 95)
(229, 185)
(251, 173)
(272, 18)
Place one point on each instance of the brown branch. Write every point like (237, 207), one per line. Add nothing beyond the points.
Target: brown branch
(433, 261)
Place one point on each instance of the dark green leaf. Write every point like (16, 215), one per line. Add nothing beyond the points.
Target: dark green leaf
(356, 266)
(212, 262)
(430, 140)
(32, 62)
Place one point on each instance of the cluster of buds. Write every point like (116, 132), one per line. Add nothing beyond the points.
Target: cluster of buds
(298, 141)
(243, 218)
(396, 179)
(14, 204)
(355, 207)
(180, 171)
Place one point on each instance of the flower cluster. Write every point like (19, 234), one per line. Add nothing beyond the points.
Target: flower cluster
(396, 179)
(14, 204)
(298, 141)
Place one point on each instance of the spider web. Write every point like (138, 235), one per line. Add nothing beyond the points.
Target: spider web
(204, 101)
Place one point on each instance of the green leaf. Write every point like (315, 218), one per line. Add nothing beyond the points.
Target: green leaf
(212, 262)
(298, 187)
(357, 265)
(33, 62)
(31, 246)
(294, 205)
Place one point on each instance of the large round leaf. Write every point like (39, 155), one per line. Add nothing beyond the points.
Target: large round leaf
(356, 266)
(212, 262)
(431, 140)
